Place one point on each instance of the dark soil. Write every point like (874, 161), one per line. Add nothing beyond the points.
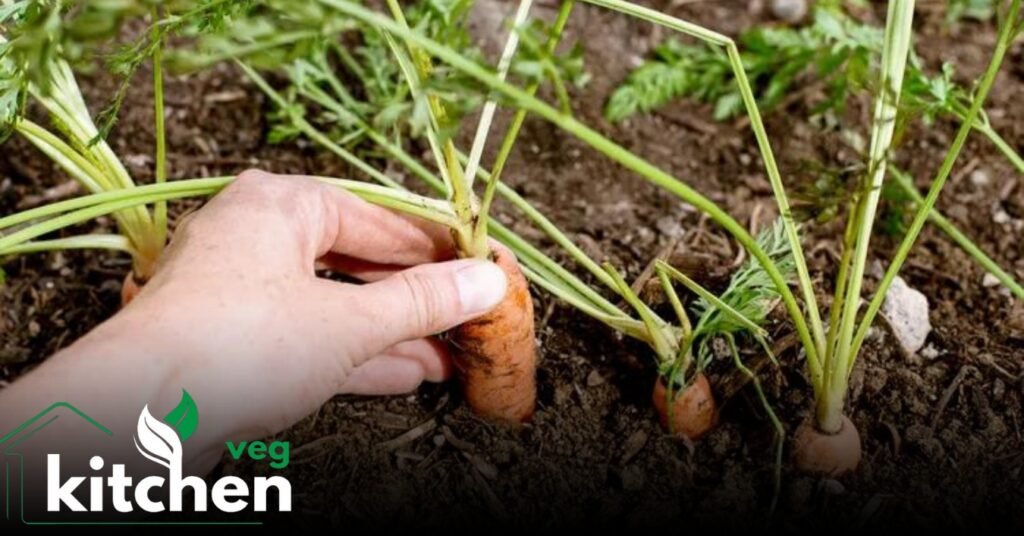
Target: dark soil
(941, 433)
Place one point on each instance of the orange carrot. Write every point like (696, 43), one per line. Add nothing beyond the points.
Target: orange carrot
(830, 454)
(496, 354)
(129, 289)
(692, 413)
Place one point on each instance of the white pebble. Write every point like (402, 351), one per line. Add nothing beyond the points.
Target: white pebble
(906, 311)
(791, 11)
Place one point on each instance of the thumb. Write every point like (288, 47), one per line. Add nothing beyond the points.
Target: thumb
(427, 299)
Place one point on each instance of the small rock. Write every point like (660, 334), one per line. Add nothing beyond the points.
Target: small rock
(791, 11)
(1001, 217)
(34, 328)
(989, 280)
(745, 159)
(720, 348)
(594, 379)
(632, 478)
(832, 487)
(670, 226)
(930, 352)
(906, 311)
(439, 440)
(979, 177)
(138, 160)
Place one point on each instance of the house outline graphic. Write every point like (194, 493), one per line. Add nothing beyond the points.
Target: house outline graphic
(13, 478)
(14, 438)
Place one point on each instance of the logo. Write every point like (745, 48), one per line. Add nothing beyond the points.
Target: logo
(144, 475)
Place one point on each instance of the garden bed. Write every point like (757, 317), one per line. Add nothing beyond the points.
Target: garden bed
(941, 430)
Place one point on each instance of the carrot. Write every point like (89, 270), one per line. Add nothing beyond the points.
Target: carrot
(834, 455)
(496, 354)
(129, 289)
(692, 412)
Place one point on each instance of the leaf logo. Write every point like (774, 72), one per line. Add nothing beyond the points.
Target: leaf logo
(157, 441)
(160, 441)
(185, 417)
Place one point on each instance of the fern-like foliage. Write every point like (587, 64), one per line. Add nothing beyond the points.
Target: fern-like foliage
(835, 48)
(979, 10)
(751, 292)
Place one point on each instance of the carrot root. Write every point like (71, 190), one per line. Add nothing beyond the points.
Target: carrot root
(828, 454)
(129, 289)
(496, 354)
(692, 412)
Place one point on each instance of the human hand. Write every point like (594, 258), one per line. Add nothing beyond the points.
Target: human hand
(237, 316)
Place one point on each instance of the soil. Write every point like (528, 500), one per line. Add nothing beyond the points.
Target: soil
(941, 429)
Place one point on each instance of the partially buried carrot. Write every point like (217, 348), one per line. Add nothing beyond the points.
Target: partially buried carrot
(496, 354)
(692, 412)
(129, 289)
(832, 454)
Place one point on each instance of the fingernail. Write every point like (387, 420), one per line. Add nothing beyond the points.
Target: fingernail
(481, 286)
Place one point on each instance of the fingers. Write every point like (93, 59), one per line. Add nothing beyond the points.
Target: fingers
(303, 219)
(360, 269)
(412, 304)
(400, 369)
(358, 229)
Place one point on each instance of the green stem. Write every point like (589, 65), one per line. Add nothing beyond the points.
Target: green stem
(780, 430)
(1001, 144)
(663, 345)
(610, 149)
(160, 210)
(541, 263)
(309, 130)
(91, 241)
(1006, 34)
(550, 229)
(65, 103)
(760, 133)
(463, 200)
(403, 201)
(494, 183)
(781, 199)
(625, 324)
(483, 128)
(73, 218)
(75, 203)
(715, 302)
(80, 168)
(960, 238)
(896, 49)
(196, 62)
(842, 281)
(673, 299)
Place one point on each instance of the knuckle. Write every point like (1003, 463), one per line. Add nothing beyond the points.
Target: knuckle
(428, 298)
(255, 184)
(251, 178)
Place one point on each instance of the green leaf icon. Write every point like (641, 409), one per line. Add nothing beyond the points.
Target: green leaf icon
(184, 418)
